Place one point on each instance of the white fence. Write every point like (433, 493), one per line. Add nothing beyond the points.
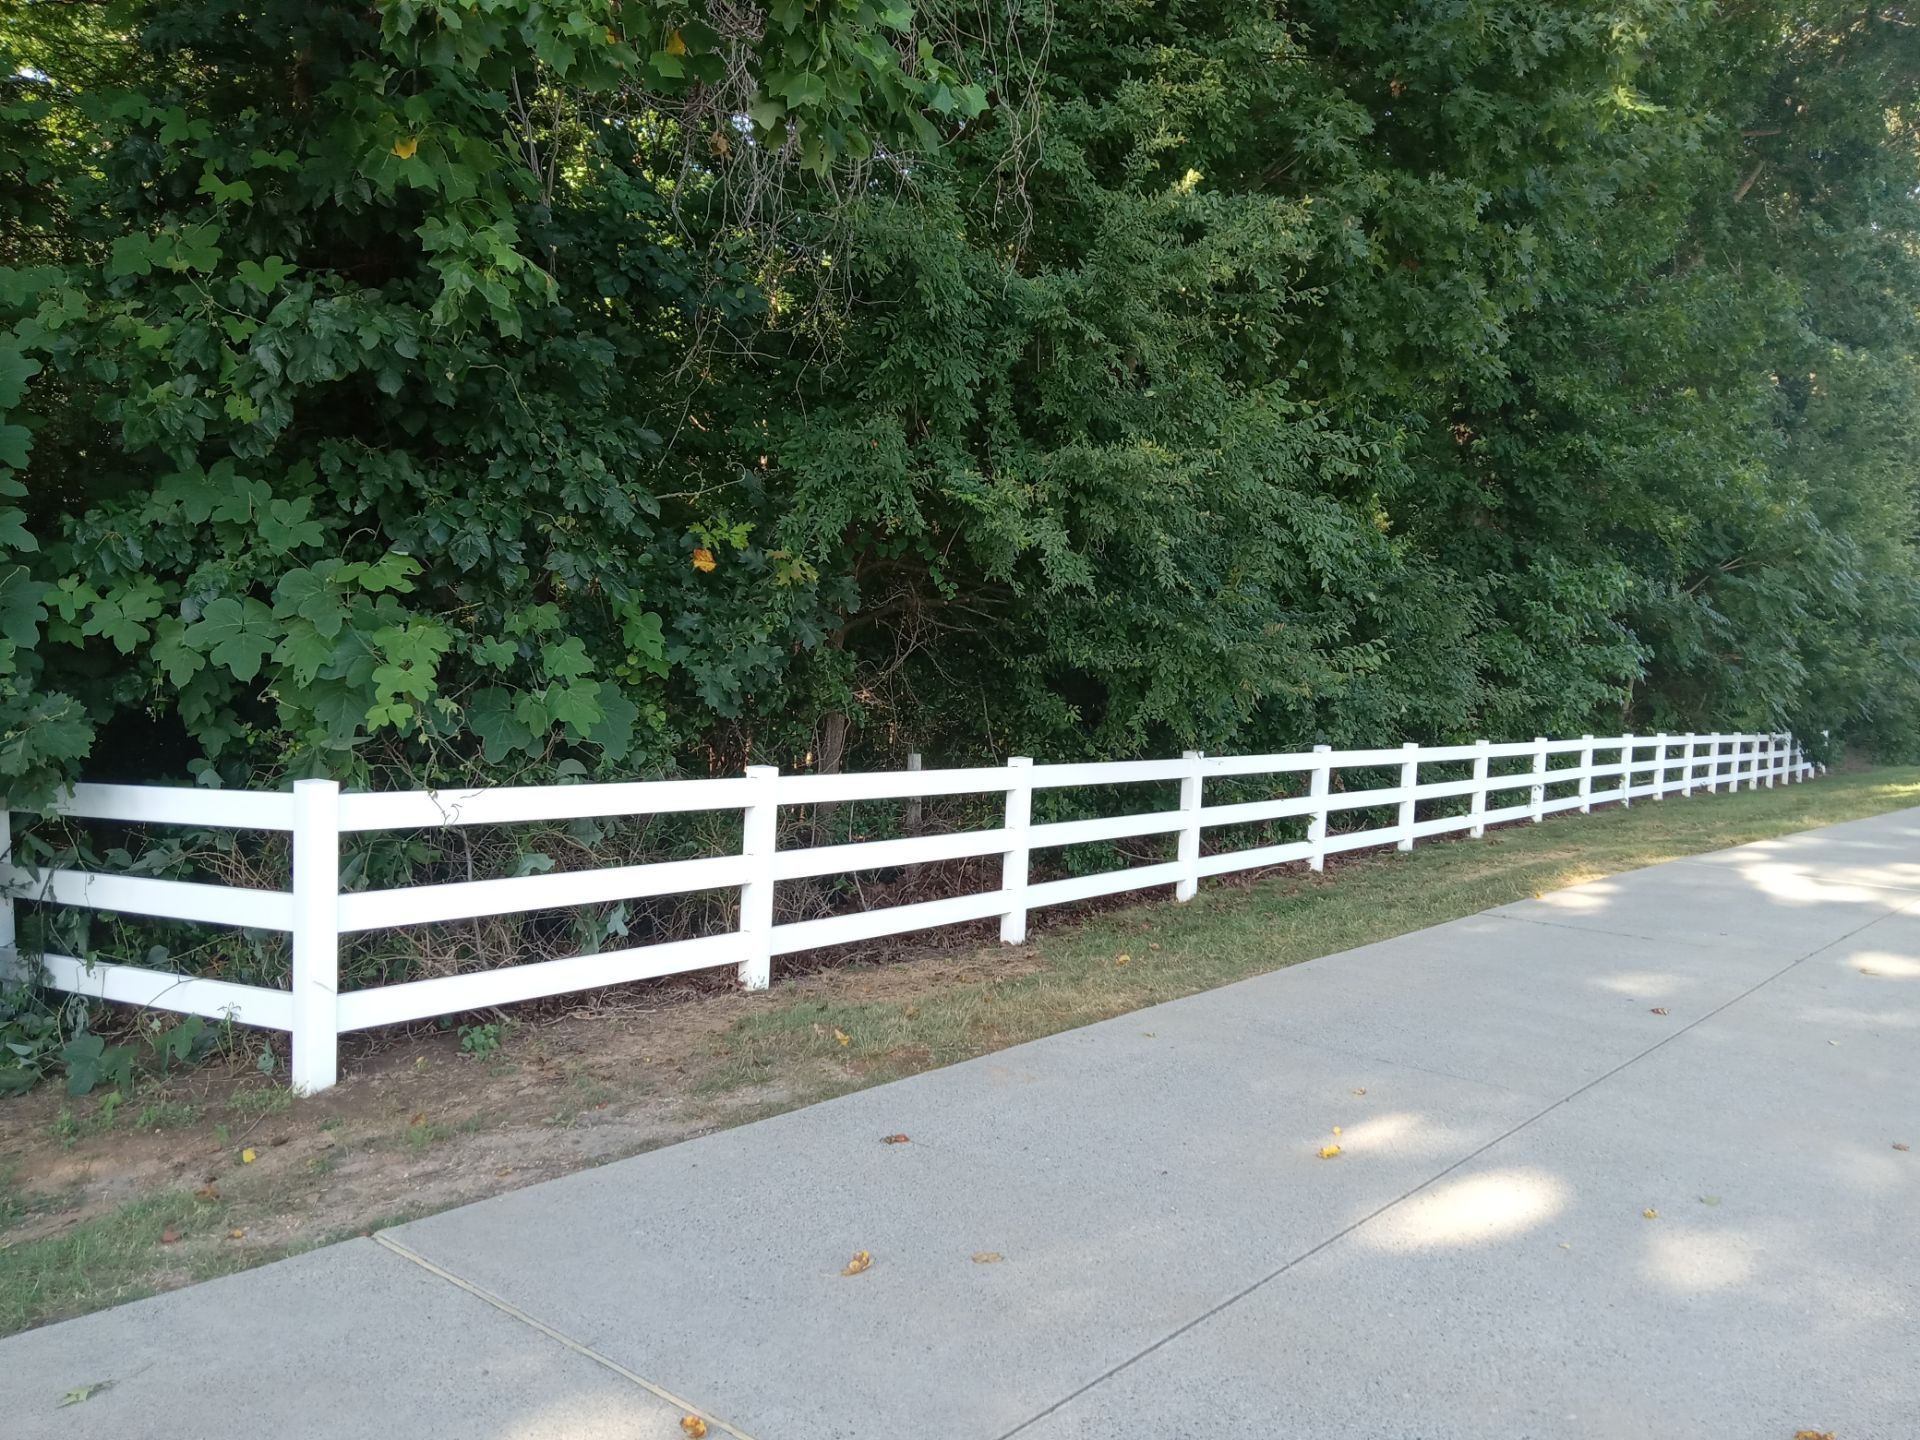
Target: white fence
(316, 912)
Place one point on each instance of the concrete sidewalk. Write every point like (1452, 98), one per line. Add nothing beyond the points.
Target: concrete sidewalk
(1731, 1041)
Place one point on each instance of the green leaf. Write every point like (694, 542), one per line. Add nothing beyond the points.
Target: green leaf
(121, 615)
(494, 653)
(132, 254)
(575, 705)
(304, 651)
(237, 634)
(285, 525)
(22, 612)
(613, 732)
(389, 572)
(15, 370)
(567, 658)
(264, 275)
(490, 715)
(172, 653)
(223, 191)
(15, 441)
(14, 534)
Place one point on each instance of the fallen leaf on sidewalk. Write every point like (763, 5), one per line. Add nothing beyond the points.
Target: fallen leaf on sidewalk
(987, 1257)
(1328, 1152)
(694, 1426)
(1336, 1129)
(81, 1393)
(895, 1140)
(1813, 1435)
(1361, 1091)
(1649, 1214)
(1901, 1145)
(1709, 1199)
(858, 1263)
(1659, 1009)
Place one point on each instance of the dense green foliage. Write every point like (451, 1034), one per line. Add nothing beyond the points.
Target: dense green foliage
(537, 388)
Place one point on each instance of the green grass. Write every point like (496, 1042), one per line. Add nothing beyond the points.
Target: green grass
(1233, 931)
(110, 1259)
(266, 1100)
(166, 1115)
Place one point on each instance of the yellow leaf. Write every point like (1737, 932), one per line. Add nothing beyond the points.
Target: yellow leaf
(703, 560)
(694, 1426)
(1361, 1091)
(843, 1037)
(1327, 1152)
(1123, 959)
(236, 1234)
(1813, 1435)
(247, 1157)
(858, 1263)
(676, 45)
(404, 149)
(1649, 1214)
(1336, 1129)
(987, 1257)
(612, 39)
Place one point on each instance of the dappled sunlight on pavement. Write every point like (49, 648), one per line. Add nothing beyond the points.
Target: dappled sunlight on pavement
(1472, 1211)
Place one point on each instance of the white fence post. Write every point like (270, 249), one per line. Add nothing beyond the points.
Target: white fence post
(1686, 774)
(1189, 855)
(1317, 789)
(1627, 747)
(1539, 787)
(1409, 778)
(1013, 862)
(1718, 753)
(1660, 766)
(759, 838)
(1477, 804)
(1752, 758)
(316, 936)
(1586, 775)
(1773, 759)
(916, 813)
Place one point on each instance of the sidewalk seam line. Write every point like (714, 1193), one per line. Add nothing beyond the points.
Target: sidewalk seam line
(1439, 1175)
(506, 1307)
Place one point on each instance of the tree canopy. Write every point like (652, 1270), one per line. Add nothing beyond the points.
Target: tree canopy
(528, 389)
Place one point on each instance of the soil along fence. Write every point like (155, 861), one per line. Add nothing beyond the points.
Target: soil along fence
(1316, 793)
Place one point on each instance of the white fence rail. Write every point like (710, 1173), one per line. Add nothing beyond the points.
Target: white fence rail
(317, 913)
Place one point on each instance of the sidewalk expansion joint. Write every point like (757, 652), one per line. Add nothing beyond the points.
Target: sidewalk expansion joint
(505, 1307)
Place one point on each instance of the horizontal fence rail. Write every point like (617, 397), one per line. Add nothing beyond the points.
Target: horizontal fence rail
(315, 912)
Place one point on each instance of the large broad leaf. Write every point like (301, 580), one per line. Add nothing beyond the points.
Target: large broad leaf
(237, 634)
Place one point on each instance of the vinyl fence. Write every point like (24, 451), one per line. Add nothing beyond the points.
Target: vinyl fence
(316, 912)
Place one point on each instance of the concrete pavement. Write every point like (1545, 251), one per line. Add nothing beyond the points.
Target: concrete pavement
(1731, 1042)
